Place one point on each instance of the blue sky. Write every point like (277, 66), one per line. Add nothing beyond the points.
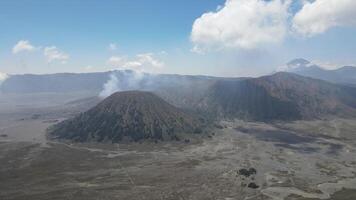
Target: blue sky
(153, 32)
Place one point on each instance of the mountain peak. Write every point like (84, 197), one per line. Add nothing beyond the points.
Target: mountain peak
(132, 115)
(298, 62)
(295, 65)
(347, 68)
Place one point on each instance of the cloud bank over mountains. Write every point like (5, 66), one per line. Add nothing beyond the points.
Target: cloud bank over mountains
(250, 24)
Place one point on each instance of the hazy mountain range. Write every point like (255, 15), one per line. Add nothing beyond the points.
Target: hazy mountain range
(280, 96)
(126, 80)
(63, 82)
(343, 75)
(305, 91)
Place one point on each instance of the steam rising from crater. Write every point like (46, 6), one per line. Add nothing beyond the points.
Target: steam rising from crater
(111, 86)
(122, 80)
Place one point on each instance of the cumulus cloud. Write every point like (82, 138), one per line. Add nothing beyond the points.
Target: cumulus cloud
(142, 63)
(112, 47)
(320, 15)
(245, 24)
(22, 45)
(52, 53)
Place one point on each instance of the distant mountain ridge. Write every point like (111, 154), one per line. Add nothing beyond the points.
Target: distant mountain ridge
(74, 82)
(343, 75)
(61, 82)
(94, 82)
(282, 96)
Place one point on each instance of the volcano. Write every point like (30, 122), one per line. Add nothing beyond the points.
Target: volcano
(281, 96)
(129, 115)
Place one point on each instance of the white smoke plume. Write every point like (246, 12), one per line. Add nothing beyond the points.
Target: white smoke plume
(3, 77)
(121, 81)
(110, 87)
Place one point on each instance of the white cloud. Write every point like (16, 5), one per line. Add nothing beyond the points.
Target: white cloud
(331, 64)
(115, 61)
(197, 50)
(245, 24)
(22, 45)
(112, 47)
(142, 63)
(132, 65)
(3, 77)
(52, 53)
(148, 59)
(320, 15)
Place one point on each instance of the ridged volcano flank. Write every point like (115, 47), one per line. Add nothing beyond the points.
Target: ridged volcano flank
(282, 96)
(132, 114)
